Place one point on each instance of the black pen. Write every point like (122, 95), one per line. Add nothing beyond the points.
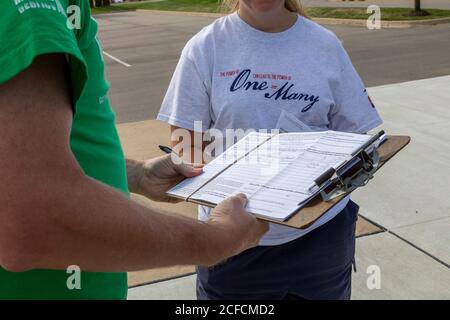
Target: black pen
(369, 143)
(165, 149)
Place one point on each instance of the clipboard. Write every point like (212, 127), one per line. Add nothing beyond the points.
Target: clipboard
(316, 207)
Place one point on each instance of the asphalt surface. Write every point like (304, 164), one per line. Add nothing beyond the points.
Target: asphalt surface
(148, 46)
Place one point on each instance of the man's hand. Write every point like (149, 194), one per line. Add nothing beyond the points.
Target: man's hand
(235, 229)
(152, 178)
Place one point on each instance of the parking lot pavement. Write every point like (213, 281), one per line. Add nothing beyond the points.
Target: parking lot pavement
(151, 44)
(177, 289)
(410, 196)
(405, 273)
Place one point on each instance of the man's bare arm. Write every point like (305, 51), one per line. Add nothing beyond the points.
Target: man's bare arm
(52, 215)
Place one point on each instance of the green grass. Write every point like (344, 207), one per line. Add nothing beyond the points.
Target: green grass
(167, 5)
(387, 14)
(110, 9)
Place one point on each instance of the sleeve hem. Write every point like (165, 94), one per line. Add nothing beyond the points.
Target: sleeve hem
(179, 123)
(40, 44)
(369, 126)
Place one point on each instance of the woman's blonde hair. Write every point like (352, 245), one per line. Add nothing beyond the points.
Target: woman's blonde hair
(291, 5)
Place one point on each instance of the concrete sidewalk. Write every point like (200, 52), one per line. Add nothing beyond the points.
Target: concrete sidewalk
(408, 198)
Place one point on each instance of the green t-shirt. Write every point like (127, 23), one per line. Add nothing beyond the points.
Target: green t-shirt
(29, 28)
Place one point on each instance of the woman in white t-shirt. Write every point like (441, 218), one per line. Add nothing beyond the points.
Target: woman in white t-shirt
(242, 72)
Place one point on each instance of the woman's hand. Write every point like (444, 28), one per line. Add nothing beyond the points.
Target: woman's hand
(152, 178)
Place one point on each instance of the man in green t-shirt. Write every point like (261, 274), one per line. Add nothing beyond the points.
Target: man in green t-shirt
(64, 180)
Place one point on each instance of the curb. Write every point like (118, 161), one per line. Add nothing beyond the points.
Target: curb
(330, 21)
(183, 13)
(384, 24)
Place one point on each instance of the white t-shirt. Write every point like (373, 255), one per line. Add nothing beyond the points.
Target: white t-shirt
(231, 75)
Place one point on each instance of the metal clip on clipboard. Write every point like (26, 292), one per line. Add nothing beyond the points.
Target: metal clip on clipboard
(353, 173)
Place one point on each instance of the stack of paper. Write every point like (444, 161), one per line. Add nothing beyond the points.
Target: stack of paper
(275, 171)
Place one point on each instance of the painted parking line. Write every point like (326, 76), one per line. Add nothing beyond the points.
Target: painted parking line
(117, 59)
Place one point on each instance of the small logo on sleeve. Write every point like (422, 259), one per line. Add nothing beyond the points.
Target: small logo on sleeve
(370, 100)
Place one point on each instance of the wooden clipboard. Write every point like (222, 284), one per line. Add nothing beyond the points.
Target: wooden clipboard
(307, 215)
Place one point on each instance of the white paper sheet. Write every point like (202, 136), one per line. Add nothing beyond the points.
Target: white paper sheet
(276, 176)
(188, 186)
(281, 197)
(254, 171)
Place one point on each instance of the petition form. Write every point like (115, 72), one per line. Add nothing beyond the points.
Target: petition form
(274, 171)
